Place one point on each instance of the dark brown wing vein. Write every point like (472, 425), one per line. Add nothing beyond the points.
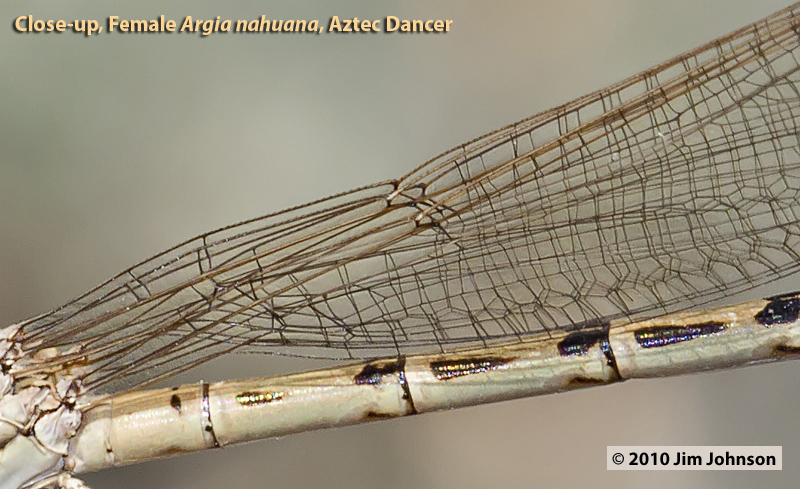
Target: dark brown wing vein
(668, 190)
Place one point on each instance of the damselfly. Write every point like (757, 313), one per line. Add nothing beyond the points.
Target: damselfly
(494, 225)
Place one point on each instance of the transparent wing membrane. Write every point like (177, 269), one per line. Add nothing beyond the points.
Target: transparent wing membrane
(671, 189)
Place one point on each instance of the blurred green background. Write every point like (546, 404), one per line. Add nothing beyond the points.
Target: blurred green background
(115, 147)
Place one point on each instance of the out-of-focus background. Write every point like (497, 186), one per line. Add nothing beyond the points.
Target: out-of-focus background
(115, 147)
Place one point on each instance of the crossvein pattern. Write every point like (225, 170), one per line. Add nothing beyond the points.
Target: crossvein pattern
(668, 190)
